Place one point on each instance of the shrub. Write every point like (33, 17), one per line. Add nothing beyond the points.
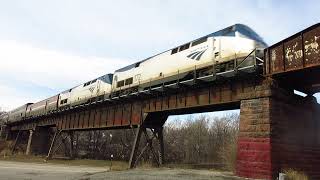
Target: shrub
(228, 155)
(292, 174)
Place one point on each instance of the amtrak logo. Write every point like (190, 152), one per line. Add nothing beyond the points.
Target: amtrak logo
(91, 89)
(196, 55)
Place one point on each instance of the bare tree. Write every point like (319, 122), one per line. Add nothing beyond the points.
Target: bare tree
(201, 140)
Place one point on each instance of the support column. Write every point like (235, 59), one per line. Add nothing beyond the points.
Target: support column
(278, 132)
(3, 132)
(295, 135)
(71, 144)
(135, 147)
(157, 154)
(8, 134)
(254, 141)
(50, 152)
(161, 146)
(154, 123)
(16, 141)
(28, 150)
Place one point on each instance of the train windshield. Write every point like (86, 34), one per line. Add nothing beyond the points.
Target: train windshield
(241, 30)
(249, 33)
(106, 78)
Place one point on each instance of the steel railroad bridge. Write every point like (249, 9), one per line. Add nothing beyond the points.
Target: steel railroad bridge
(278, 129)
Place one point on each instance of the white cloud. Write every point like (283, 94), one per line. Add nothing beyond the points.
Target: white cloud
(50, 68)
(26, 65)
(11, 98)
(138, 29)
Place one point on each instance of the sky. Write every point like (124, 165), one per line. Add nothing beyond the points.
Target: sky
(49, 46)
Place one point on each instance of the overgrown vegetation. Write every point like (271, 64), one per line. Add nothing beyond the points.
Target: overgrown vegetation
(292, 174)
(204, 140)
(208, 142)
(5, 148)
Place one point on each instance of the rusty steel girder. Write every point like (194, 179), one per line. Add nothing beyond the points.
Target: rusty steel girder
(297, 52)
(295, 61)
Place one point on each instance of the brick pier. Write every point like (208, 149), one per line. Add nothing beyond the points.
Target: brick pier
(278, 131)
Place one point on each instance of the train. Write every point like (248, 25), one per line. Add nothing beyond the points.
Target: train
(223, 50)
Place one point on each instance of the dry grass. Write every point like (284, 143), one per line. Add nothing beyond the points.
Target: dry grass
(119, 166)
(19, 156)
(228, 155)
(295, 175)
(145, 165)
(179, 166)
(5, 148)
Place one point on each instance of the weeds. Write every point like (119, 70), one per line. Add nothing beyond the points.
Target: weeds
(292, 174)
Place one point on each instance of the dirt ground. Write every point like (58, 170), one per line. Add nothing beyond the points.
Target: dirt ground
(164, 174)
(38, 171)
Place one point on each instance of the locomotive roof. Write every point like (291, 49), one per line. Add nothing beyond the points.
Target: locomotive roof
(228, 31)
(243, 29)
(20, 107)
(106, 78)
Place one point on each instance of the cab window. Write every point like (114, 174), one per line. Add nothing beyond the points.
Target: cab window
(184, 47)
(129, 81)
(175, 50)
(199, 41)
(120, 83)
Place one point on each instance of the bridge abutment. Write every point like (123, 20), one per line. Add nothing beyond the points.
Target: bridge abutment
(278, 132)
(254, 141)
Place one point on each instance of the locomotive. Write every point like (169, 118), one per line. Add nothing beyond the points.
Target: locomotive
(223, 49)
(216, 52)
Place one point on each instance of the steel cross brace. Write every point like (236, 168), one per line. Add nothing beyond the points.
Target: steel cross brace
(52, 146)
(15, 142)
(156, 134)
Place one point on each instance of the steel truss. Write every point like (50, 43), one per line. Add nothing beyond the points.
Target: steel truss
(65, 137)
(155, 134)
